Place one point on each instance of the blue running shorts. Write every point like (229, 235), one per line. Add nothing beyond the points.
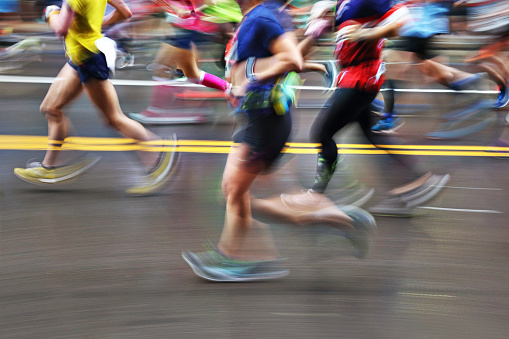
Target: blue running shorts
(93, 67)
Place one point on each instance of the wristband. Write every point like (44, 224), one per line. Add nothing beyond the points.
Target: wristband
(50, 10)
(250, 75)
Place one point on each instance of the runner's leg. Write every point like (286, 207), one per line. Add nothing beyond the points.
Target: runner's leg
(103, 95)
(66, 87)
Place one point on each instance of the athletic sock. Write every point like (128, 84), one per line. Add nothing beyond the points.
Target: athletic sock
(324, 172)
(211, 81)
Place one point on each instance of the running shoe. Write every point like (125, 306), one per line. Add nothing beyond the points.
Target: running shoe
(431, 188)
(302, 201)
(403, 205)
(469, 82)
(387, 125)
(329, 78)
(502, 98)
(212, 265)
(156, 180)
(364, 231)
(36, 173)
(393, 207)
(356, 195)
(124, 58)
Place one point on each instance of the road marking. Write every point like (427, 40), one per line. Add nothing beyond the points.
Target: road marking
(428, 295)
(474, 188)
(148, 83)
(308, 314)
(458, 210)
(27, 142)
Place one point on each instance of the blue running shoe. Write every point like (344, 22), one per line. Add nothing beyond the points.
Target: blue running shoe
(469, 82)
(502, 98)
(387, 125)
(364, 230)
(212, 265)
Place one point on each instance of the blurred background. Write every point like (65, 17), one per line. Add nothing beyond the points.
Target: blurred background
(84, 260)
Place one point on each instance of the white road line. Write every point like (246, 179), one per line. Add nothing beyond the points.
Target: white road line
(459, 210)
(117, 82)
(148, 83)
(474, 188)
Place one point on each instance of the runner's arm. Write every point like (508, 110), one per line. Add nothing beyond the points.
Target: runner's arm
(356, 33)
(287, 58)
(60, 22)
(207, 3)
(387, 29)
(121, 12)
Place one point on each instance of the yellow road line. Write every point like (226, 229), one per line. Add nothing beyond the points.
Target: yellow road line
(21, 142)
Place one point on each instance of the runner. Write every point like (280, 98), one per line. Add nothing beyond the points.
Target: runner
(362, 27)
(492, 18)
(428, 19)
(280, 10)
(245, 251)
(90, 61)
(178, 54)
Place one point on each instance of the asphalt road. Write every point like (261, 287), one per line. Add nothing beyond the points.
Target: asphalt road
(86, 261)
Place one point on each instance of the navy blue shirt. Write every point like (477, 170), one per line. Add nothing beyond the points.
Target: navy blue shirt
(361, 9)
(257, 31)
(283, 16)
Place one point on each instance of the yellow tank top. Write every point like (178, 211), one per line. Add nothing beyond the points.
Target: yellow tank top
(85, 29)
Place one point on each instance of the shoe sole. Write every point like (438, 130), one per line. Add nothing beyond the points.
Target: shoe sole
(501, 104)
(396, 214)
(389, 131)
(420, 191)
(412, 202)
(210, 277)
(62, 180)
(173, 165)
(358, 201)
(429, 195)
(196, 269)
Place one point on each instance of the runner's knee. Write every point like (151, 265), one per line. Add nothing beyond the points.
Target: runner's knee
(115, 121)
(51, 113)
(232, 190)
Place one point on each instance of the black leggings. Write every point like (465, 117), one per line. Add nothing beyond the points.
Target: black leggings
(347, 105)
